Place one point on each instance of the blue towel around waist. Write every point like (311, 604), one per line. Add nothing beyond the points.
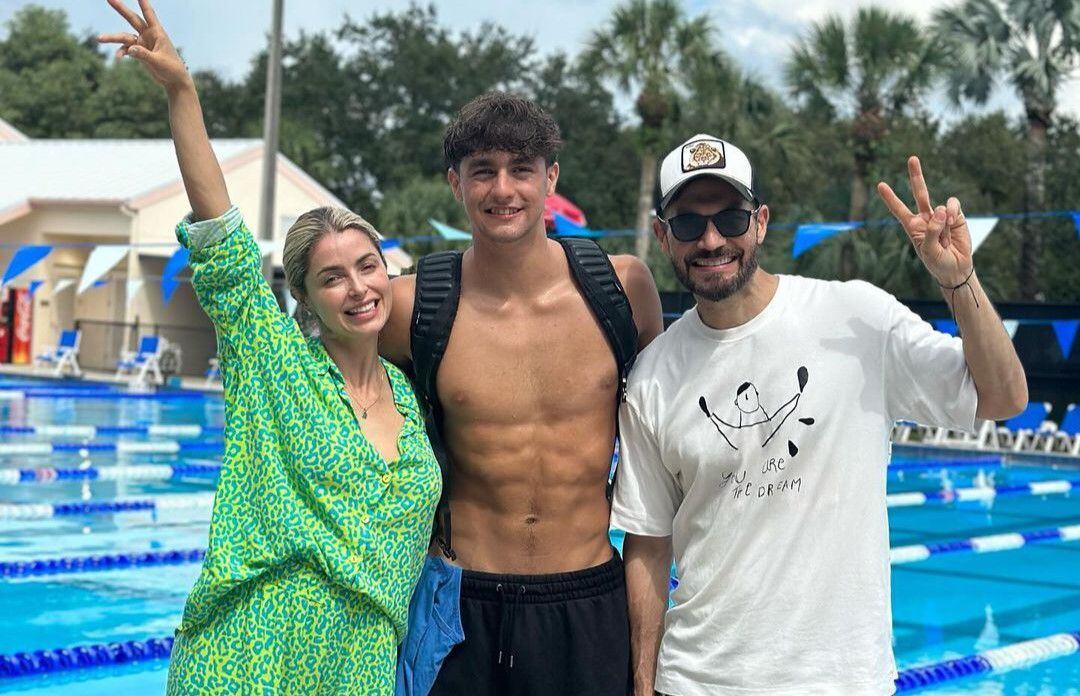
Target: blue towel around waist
(434, 627)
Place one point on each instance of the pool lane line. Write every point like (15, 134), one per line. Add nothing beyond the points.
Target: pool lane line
(898, 555)
(142, 472)
(161, 503)
(1018, 655)
(996, 661)
(8, 449)
(37, 662)
(88, 394)
(89, 432)
(914, 553)
(67, 565)
(961, 495)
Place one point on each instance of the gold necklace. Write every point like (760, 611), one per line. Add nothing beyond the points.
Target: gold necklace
(364, 409)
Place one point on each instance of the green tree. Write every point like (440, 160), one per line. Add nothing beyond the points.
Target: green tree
(404, 79)
(1034, 45)
(127, 104)
(47, 75)
(645, 47)
(865, 74)
(599, 160)
(405, 211)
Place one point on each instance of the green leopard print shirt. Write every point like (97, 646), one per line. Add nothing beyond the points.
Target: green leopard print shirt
(316, 542)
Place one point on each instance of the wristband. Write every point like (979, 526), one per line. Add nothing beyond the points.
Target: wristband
(967, 282)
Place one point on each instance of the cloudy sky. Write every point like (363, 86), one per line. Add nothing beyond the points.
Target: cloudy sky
(224, 34)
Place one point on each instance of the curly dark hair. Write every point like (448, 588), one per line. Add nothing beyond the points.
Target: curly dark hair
(501, 121)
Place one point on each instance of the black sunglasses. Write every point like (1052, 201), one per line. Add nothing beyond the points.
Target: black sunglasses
(689, 227)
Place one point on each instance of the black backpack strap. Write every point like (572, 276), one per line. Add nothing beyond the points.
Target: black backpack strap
(607, 299)
(605, 296)
(438, 287)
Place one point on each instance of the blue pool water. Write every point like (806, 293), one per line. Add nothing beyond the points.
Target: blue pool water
(945, 607)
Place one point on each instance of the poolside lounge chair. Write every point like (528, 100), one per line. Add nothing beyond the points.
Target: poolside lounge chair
(1066, 437)
(213, 372)
(985, 438)
(65, 356)
(1019, 432)
(143, 363)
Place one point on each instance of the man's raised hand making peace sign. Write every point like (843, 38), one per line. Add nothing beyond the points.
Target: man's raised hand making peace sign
(942, 240)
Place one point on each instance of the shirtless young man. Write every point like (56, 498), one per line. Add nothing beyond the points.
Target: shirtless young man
(527, 387)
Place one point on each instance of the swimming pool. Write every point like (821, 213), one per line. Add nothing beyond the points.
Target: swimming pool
(946, 606)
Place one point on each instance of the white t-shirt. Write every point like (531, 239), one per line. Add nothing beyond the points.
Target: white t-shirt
(775, 498)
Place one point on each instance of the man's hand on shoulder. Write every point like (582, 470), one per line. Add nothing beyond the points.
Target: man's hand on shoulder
(394, 339)
(640, 288)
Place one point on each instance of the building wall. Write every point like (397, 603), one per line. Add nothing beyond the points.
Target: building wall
(182, 319)
(149, 219)
(65, 224)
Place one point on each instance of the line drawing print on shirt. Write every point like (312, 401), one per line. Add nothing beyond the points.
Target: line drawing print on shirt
(754, 420)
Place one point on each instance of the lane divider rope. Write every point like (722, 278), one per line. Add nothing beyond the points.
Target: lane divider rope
(961, 495)
(110, 561)
(145, 472)
(899, 555)
(23, 664)
(22, 394)
(90, 432)
(45, 511)
(998, 660)
(8, 449)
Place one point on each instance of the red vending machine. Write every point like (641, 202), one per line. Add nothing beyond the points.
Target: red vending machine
(5, 325)
(22, 323)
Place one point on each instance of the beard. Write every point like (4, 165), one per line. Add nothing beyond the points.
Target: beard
(718, 289)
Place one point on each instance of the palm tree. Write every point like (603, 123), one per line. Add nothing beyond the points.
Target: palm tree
(865, 75)
(1035, 45)
(645, 48)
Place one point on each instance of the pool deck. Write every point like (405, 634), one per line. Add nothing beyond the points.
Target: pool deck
(188, 383)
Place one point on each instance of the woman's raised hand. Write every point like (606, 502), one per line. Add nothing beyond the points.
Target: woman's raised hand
(149, 45)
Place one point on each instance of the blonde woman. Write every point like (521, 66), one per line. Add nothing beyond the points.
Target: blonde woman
(328, 485)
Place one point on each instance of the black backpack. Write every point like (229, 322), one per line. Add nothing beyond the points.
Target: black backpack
(438, 287)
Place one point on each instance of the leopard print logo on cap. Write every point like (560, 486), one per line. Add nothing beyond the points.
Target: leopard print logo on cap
(703, 154)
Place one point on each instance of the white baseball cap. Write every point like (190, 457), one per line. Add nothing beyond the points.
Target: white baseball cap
(705, 155)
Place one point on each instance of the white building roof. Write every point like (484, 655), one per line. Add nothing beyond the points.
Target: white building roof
(96, 171)
(108, 171)
(117, 172)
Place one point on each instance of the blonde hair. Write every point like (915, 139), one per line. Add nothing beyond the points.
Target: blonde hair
(304, 234)
(308, 229)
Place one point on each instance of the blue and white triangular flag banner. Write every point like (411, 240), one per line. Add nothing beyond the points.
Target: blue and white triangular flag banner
(395, 255)
(101, 261)
(35, 285)
(980, 228)
(1065, 331)
(174, 265)
(810, 235)
(449, 233)
(946, 326)
(62, 285)
(1011, 325)
(564, 226)
(132, 289)
(1076, 223)
(23, 259)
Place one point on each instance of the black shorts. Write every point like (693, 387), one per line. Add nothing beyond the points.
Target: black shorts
(564, 634)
